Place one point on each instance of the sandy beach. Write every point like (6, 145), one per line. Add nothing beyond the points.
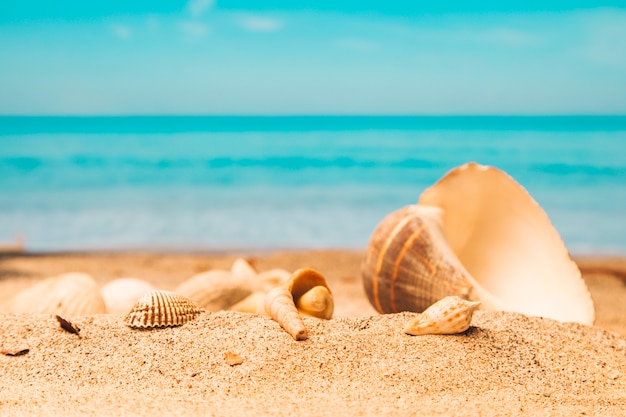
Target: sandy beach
(358, 363)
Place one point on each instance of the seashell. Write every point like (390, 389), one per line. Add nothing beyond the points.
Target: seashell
(450, 315)
(68, 295)
(122, 293)
(233, 359)
(214, 290)
(271, 278)
(311, 294)
(479, 235)
(242, 269)
(279, 306)
(162, 309)
(263, 281)
(254, 303)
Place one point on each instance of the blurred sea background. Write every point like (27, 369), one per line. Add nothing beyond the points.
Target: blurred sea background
(263, 183)
(244, 125)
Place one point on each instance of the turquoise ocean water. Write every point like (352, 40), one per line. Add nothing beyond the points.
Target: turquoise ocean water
(221, 183)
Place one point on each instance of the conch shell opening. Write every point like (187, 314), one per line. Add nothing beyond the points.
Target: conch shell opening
(477, 234)
(311, 293)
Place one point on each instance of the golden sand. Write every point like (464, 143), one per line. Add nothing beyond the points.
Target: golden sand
(358, 363)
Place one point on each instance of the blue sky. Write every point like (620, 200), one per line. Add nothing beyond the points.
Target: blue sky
(323, 57)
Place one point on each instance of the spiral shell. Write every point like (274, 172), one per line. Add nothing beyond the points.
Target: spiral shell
(450, 315)
(215, 290)
(121, 294)
(479, 235)
(68, 295)
(279, 306)
(409, 265)
(162, 309)
(311, 294)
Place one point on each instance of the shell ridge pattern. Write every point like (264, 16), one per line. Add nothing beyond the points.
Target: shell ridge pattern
(381, 258)
(396, 267)
(162, 309)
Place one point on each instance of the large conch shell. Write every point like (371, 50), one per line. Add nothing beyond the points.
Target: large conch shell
(479, 235)
(68, 295)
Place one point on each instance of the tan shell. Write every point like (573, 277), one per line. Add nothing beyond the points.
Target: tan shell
(162, 309)
(271, 278)
(214, 290)
(477, 234)
(279, 306)
(450, 315)
(254, 303)
(68, 295)
(121, 294)
(311, 294)
(242, 269)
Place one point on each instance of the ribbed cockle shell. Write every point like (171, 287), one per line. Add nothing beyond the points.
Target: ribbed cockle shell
(449, 315)
(162, 309)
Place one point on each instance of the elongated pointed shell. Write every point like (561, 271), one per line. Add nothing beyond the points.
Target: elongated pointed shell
(477, 234)
(449, 315)
(311, 293)
(162, 309)
(121, 294)
(68, 295)
(214, 290)
(279, 306)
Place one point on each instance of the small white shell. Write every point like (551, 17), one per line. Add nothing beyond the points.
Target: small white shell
(450, 315)
(122, 293)
(214, 290)
(68, 295)
(162, 309)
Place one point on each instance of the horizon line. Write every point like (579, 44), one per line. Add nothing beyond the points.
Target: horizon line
(311, 115)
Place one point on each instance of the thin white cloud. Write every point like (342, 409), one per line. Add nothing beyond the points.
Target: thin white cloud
(358, 44)
(255, 23)
(197, 8)
(193, 30)
(508, 37)
(121, 31)
(153, 23)
(605, 32)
